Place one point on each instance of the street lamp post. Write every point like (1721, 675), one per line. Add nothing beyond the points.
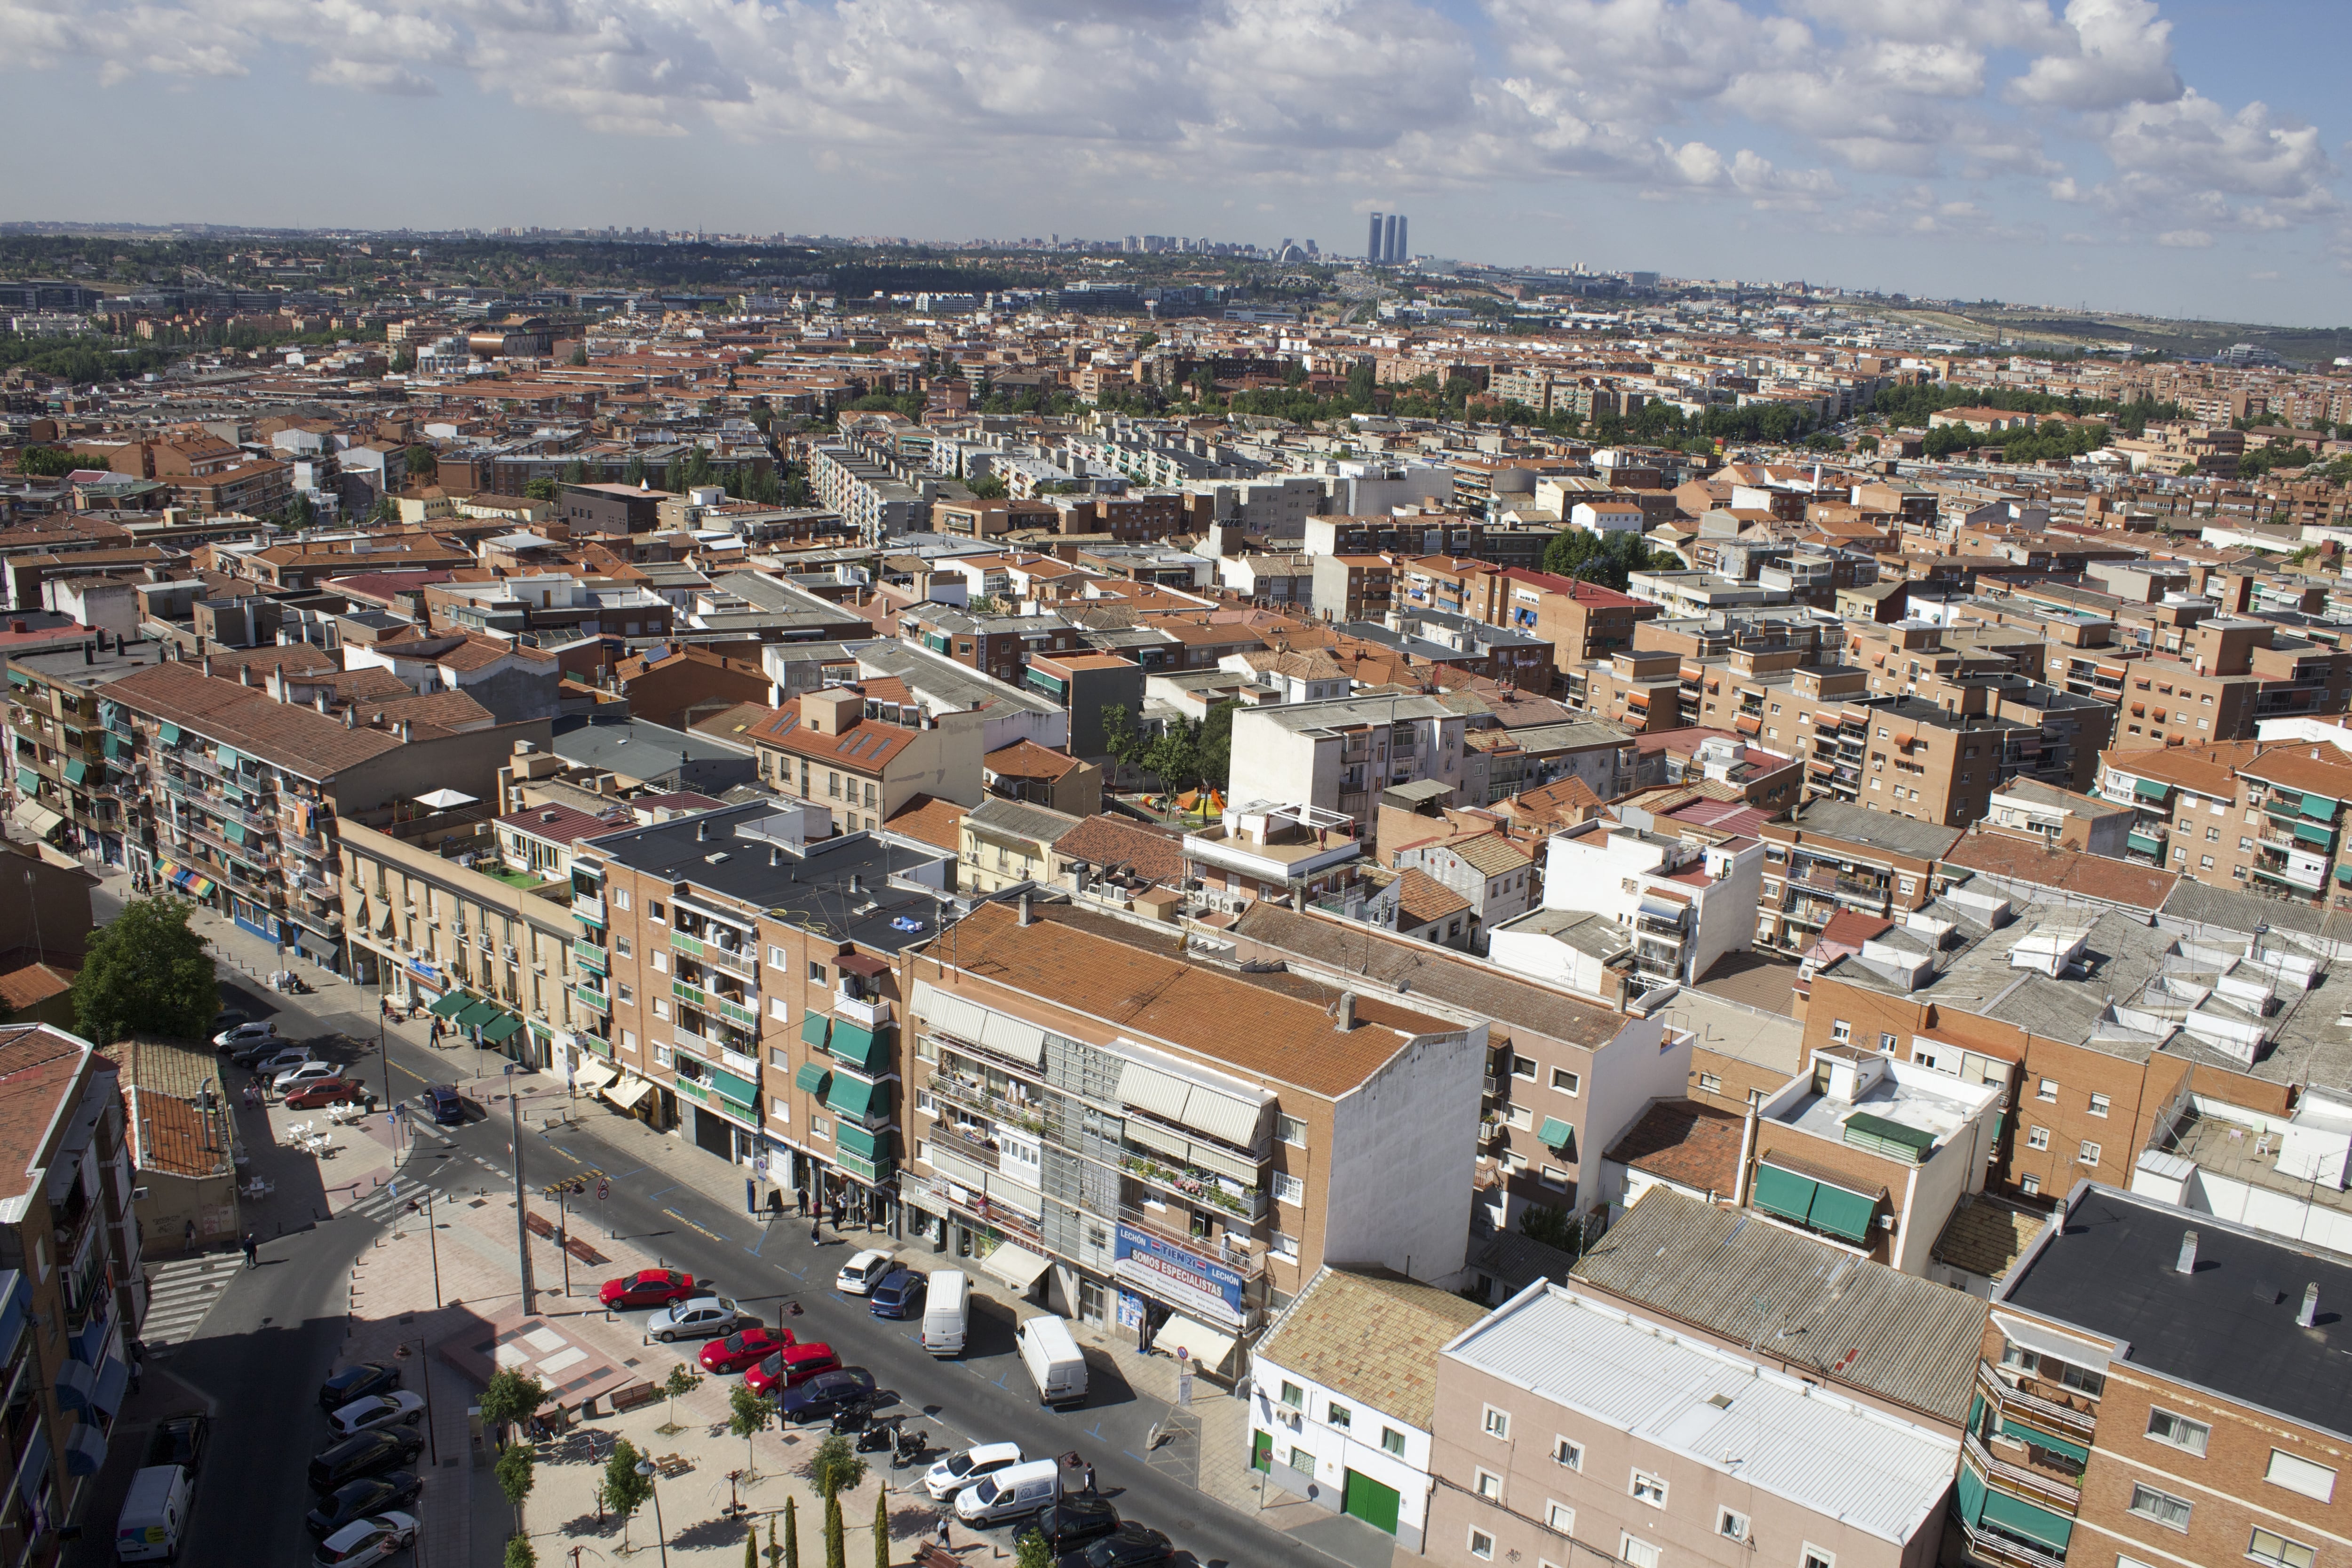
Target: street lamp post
(424, 1370)
(431, 1240)
(523, 1198)
(572, 1187)
(645, 1468)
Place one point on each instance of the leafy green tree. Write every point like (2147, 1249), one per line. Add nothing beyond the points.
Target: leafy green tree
(1215, 761)
(747, 1413)
(423, 463)
(299, 514)
(837, 1546)
(511, 1398)
(51, 462)
(626, 1491)
(145, 973)
(634, 474)
(792, 1554)
(402, 362)
(575, 472)
(988, 486)
(579, 354)
(1174, 755)
(1125, 743)
(1606, 560)
(682, 1381)
(519, 1552)
(384, 510)
(836, 1468)
(1033, 1551)
(751, 1546)
(882, 1528)
(514, 1468)
(539, 489)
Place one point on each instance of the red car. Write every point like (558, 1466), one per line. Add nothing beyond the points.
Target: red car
(646, 1288)
(791, 1367)
(746, 1349)
(327, 1091)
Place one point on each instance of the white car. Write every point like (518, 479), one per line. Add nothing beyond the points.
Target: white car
(366, 1541)
(307, 1072)
(695, 1318)
(959, 1471)
(270, 1065)
(245, 1035)
(377, 1410)
(857, 1276)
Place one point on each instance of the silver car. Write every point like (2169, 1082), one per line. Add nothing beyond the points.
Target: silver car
(695, 1318)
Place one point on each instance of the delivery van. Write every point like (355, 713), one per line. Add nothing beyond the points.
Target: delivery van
(155, 1517)
(1054, 1360)
(947, 1312)
(1014, 1493)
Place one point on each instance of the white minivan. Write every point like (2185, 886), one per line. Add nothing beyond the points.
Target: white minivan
(1055, 1363)
(947, 1312)
(154, 1518)
(1014, 1493)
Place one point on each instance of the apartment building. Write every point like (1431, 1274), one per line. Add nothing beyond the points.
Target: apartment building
(1648, 1447)
(2157, 1386)
(72, 1287)
(2057, 818)
(1683, 899)
(2268, 818)
(736, 985)
(1354, 587)
(2207, 676)
(865, 494)
(837, 749)
(1147, 1137)
(1831, 855)
(1338, 756)
(69, 772)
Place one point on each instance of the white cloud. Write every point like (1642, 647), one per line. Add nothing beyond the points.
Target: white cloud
(2118, 52)
(2184, 240)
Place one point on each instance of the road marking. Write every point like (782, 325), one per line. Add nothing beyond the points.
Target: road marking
(180, 1295)
(671, 1188)
(565, 1153)
(691, 1225)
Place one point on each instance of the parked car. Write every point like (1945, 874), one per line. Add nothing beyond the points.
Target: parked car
(646, 1288)
(791, 1366)
(897, 1294)
(744, 1349)
(180, 1441)
(224, 1022)
(1131, 1545)
(357, 1382)
(857, 1276)
(399, 1406)
(1016, 1491)
(366, 1541)
(695, 1318)
(243, 1036)
(370, 1494)
(369, 1453)
(304, 1075)
(1075, 1521)
(272, 1057)
(825, 1395)
(960, 1468)
(446, 1106)
(327, 1091)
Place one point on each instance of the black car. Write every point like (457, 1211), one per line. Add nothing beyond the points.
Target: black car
(1131, 1545)
(369, 1453)
(180, 1440)
(371, 1494)
(827, 1394)
(357, 1382)
(445, 1104)
(1075, 1521)
(897, 1294)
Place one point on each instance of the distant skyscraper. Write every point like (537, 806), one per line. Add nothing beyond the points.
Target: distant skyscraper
(1373, 250)
(1393, 248)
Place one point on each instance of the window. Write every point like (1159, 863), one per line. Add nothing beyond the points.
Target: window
(661, 1054)
(1567, 1083)
(661, 1008)
(620, 898)
(1636, 1552)
(2048, 1089)
(816, 973)
(2099, 1105)
(2179, 1430)
(625, 995)
(833, 785)
(779, 959)
(2298, 1474)
(653, 908)
(1281, 1245)
(779, 1011)
(1553, 1176)
(1524, 1067)
(1731, 1524)
(621, 947)
(820, 1128)
(1711, 1083)
(1392, 1441)
(1495, 1423)
(1560, 1518)
(1290, 1129)
(2029, 1184)
(1886, 1043)
(1482, 1545)
(2037, 1138)
(2267, 1546)
(2168, 1510)
(1520, 1117)
(2090, 1154)
(1289, 1190)
(1812, 1556)
(1649, 1488)
(1568, 1452)
(2205, 862)
(1840, 1031)
(1490, 1486)
(659, 960)
(1293, 1395)
(1339, 1414)
(628, 1039)
(1301, 1461)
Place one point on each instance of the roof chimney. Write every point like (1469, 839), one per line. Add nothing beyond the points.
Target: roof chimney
(1347, 1011)
(351, 717)
(322, 700)
(277, 681)
(2187, 1263)
(88, 653)
(2310, 1313)
(245, 674)
(19, 626)
(404, 732)
(703, 833)
(1025, 909)
(775, 855)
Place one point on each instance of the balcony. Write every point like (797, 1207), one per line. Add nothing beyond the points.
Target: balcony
(2042, 1491)
(591, 955)
(744, 965)
(587, 909)
(2082, 1426)
(973, 1095)
(596, 1002)
(1231, 1254)
(976, 1205)
(1205, 1187)
(1984, 1546)
(865, 1014)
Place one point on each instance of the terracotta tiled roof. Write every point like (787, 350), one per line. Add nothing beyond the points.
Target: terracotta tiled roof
(1422, 899)
(1373, 1335)
(2083, 875)
(301, 739)
(939, 823)
(1985, 1235)
(865, 747)
(1028, 759)
(34, 985)
(1106, 840)
(1680, 1141)
(37, 1063)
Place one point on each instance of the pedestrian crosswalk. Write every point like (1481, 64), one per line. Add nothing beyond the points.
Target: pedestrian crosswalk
(388, 1199)
(179, 1294)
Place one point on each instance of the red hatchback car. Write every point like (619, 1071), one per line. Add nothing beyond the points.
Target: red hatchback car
(745, 1349)
(646, 1288)
(327, 1091)
(791, 1367)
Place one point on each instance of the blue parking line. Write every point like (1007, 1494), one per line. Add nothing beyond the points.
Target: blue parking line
(671, 1188)
(754, 1251)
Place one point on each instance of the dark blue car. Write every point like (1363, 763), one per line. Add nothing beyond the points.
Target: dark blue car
(448, 1107)
(897, 1294)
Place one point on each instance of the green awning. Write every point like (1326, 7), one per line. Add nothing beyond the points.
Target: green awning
(476, 1014)
(1893, 1138)
(235, 831)
(865, 1049)
(450, 1004)
(77, 769)
(27, 781)
(168, 733)
(730, 1085)
(2148, 789)
(228, 758)
(116, 746)
(2309, 832)
(2146, 843)
(2344, 875)
(1783, 1193)
(811, 1078)
(19, 679)
(813, 1028)
(2319, 808)
(854, 1097)
(2040, 1439)
(1841, 1213)
(866, 1145)
(2019, 1517)
(500, 1028)
(1556, 1133)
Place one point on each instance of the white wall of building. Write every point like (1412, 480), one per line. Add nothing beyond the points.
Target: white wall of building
(1404, 1155)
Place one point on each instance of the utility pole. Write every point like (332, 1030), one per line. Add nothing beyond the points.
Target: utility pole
(523, 1198)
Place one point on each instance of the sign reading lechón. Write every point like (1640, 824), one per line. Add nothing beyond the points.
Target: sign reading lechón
(1207, 1290)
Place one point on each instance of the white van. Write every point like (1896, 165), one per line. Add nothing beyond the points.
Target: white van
(1014, 1493)
(1054, 1360)
(155, 1517)
(947, 1312)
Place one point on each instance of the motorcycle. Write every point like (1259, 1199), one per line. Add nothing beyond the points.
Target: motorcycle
(907, 1446)
(850, 1418)
(878, 1436)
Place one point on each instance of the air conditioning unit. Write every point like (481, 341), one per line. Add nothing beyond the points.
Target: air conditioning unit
(507, 952)
(1290, 1415)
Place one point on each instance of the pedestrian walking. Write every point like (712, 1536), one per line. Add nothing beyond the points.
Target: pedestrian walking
(838, 1210)
(800, 1196)
(945, 1544)
(252, 1251)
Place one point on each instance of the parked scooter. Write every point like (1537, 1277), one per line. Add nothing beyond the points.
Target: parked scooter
(908, 1446)
(878, 1436)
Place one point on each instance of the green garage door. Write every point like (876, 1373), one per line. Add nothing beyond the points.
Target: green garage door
(1370, 1502)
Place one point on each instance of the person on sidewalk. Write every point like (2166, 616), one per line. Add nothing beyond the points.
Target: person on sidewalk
(800, 1196)
(252, 1251)
(945, 1544)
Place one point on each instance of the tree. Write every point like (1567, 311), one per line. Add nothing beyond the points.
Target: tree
(837, 1546)
(384, 510)
(298, 514)
(988, 486)
(682, 1381)
(882, 1528)
(579, 354)
(146, 973)
(791, 1557)
(1606, 560)
(634, 474)
(514, 1472)
(1033, 1551)
(423, 463)
(748, 1413)
(575, 472)
(1216, 745)
(519, 1552)
(752, 1545)
(1120, 738)
(540, 490)
(626, 1491)
(50, 462)
(836, 1468)
(402, 362)
(511, 1398)
(1174, 755)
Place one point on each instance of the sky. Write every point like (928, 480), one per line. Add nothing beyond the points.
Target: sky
(2174, 157)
